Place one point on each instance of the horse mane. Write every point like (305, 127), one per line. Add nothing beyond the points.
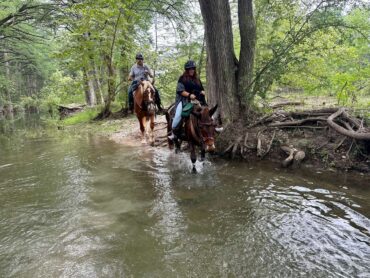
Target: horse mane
(147, 84)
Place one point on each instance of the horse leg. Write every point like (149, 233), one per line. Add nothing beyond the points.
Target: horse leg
(177, 145)
(152, 139)
(193, 156)
(202, 153)
(169, 129)
(142, 128)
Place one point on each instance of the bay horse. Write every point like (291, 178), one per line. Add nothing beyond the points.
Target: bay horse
(199, 130)
(144, 107)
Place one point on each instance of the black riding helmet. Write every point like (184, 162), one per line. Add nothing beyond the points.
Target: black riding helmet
(190, 65)
(139, 56)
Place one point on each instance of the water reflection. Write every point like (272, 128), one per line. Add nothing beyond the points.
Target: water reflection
(84, 207)
(170, 223)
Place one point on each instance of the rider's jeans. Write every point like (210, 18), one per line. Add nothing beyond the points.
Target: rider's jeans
(177, 118)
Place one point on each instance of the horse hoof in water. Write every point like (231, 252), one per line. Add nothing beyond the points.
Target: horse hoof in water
(194, 170)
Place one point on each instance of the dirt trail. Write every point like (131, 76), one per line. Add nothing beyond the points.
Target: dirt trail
(130, 134)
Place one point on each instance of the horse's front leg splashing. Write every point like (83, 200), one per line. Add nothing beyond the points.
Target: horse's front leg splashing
(143, 130)
(151, 135)
(193, 156)
(202, 152)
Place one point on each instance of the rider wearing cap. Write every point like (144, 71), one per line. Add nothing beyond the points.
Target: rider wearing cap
(189, 87)
(139, 72)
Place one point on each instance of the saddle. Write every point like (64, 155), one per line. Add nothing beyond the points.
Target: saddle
(185, 114)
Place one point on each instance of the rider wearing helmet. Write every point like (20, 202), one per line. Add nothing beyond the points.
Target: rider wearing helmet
(140, 71)
(189, 87)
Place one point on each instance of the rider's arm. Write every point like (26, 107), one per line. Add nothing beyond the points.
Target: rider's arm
(181, 90)
(187, 94)
(150, 72)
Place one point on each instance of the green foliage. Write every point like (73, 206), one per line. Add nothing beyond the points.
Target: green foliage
(53, 51)
(339, 64)
(292, 38)
(82, 117)
(61, 89)
(28, 102)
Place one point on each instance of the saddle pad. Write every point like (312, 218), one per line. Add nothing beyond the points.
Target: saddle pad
(186, 110)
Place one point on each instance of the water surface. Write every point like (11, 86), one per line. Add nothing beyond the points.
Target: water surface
(83, 206)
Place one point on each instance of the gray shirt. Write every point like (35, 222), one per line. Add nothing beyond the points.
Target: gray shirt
(138, 72)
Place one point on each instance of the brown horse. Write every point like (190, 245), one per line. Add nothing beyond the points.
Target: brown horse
(144, 107)
(199, 130)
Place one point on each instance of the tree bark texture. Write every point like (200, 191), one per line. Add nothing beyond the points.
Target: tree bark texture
(228, 80)
(111, 84)
(89, 89)
(8, 78)
(92, 75)
(221, 62)
(247, 26)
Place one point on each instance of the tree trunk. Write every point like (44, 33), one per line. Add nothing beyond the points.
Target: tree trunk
(200, 64)
(7, 91)
(89, 89)
(111, 86)
(247, 28)
(93, 76)
(123, 72)
(228, 80)
(94, 83)
(221, 60)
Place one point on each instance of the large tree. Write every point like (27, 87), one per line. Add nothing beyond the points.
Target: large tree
(232, 82)
(228, 77)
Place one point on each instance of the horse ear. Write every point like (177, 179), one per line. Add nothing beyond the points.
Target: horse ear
(213, 110)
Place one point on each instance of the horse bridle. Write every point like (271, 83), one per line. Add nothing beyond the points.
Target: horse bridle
(148, 90)
(147, 102)
(200, 124)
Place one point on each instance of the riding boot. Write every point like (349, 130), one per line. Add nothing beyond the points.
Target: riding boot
(172, 136)
(176, 132)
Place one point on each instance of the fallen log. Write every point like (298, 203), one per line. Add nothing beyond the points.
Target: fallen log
(281, 104)
(66, 110)
(297, 122)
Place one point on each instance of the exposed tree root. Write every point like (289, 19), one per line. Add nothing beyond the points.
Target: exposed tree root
(344, 131)
(321, 133)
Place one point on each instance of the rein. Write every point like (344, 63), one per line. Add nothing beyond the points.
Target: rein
(197, 133)
(146, 102)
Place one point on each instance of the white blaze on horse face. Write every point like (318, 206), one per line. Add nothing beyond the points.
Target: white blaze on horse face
(210, 148)
(150, 97)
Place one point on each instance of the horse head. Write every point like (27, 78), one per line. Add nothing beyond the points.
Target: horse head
(148, 96)
(207, 127)
(145, 109)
